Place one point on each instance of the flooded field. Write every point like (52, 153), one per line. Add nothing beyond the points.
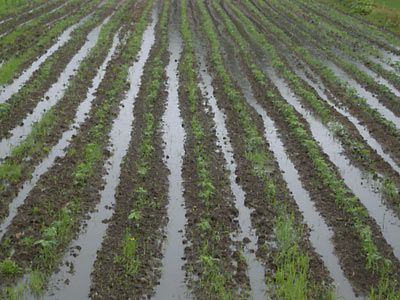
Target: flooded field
(182, 149)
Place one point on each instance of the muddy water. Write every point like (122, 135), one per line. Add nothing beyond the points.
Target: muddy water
(92, 235)
(7, 91)
(320, 234)
(52, 96)
(374, 144)
(378, 78)
(372, 101)
(383, 64)
(362, 185)
(36, 8)
(255, 269)
(59, 150)
(390, 58)
(5, 20)
(172, 284)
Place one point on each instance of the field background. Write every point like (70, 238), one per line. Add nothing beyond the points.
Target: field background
(385, 13)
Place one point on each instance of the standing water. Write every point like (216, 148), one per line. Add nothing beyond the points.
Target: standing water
(7, 91)
(255, 268)
(362, 185)
(319, 88)
(320, 234)
(90, 239)
(59, 149)
(52, 96)
(172, 285)
(372, 101)
(377, 78)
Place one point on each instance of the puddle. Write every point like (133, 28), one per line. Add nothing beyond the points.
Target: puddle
(358, 29)
(371, 141)
(255, 268)
(5, 20)
(52, 96)
(372, 101)
(90, 239)
(362, 185)
(7, 91)
(172, 284)
(385, 65)
(390, 57)
(36, 8)
(320, 234)
(59, 150)
(378, 78)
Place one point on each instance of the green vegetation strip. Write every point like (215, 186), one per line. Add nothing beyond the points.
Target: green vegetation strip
(384, 94)
(384, 14)
(14, 61)
(292, 279)
(60, 224)
(24, 18)
(365, 30)
(132, 254)
(14, 110)
(19, 166)
(15, 7)
(348, 95)
(387, 287)
(214, 281)
(355, 146)
(323, 31)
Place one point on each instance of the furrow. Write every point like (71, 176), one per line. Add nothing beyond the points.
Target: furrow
(172, 283)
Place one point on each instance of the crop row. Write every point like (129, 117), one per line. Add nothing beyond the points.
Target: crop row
(353, 143)
(16, 47)
(129, 260)
(326, 175)
(10, 9)
(22, 103)
(17, 168)
(30, 15)
(323, 48)
(339, 38)
(55, 223)
(210, 206)
(291, 272)
(378, 125)
(364, 30)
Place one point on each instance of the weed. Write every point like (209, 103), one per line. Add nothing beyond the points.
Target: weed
(128, 257)
(9, 267)
(37, 281)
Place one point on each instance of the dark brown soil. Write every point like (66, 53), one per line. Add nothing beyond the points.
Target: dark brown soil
(264, 214)
(347, 244)
(25, 101)
(65, 111)
(220, 211)
(374, 164)
(389, 142)
(35, 14)
(57, 187)
(109, 279)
